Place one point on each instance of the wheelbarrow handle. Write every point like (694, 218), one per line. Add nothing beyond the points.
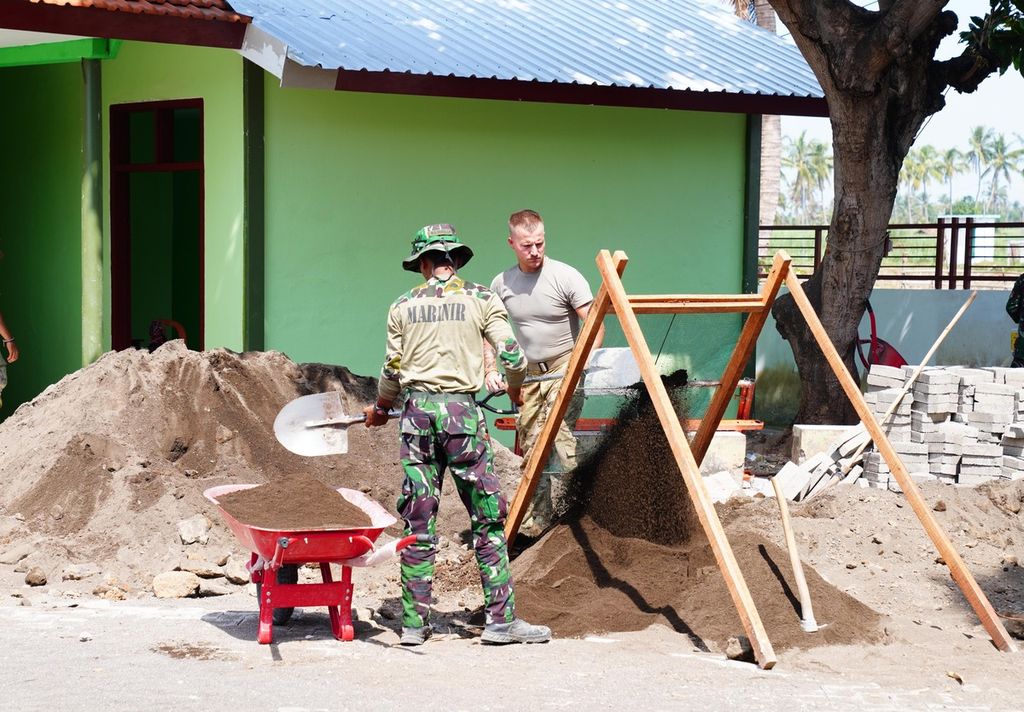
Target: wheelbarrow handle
(485, 404)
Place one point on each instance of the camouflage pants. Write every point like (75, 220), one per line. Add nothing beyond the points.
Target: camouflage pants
(440, 431)
(538, 399)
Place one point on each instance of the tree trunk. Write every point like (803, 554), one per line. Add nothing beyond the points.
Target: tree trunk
(856, 242)
(875, 117)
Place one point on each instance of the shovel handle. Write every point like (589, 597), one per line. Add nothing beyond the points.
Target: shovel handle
(346, 421)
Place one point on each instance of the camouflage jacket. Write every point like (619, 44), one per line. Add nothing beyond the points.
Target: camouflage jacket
(435, 339)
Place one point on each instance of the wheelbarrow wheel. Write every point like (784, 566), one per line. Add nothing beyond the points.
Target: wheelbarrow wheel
(288, 573)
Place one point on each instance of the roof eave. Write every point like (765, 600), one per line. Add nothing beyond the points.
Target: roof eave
(562, 93)
(95, 22)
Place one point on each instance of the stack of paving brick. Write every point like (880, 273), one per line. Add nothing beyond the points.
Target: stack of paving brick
(955, 423)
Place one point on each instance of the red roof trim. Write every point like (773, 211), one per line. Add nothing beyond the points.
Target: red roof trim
(636, 97)
(34, 16)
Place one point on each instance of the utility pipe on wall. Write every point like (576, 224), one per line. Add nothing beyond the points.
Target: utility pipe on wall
(92, 213)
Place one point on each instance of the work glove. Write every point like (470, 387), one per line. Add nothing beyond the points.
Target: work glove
(375, 416)
(494, 382)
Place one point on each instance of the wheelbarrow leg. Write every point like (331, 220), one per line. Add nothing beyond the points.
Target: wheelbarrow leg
(341, 615)
(265, 633)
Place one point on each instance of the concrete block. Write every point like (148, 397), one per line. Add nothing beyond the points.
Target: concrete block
(792, 478)
(727, 451)
(721, 485)
(810, 440)
(886, 371)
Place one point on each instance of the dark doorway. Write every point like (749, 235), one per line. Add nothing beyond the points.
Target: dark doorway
(156, 220)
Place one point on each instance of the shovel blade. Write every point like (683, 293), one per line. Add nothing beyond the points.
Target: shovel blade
(292, 431)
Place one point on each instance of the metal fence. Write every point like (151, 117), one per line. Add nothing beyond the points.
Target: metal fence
(958, 253)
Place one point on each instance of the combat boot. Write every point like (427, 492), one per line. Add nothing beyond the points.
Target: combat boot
(415, 636)
(518, 631)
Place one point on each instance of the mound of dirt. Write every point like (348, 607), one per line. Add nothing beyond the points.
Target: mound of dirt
(102, 466)
(633, 553)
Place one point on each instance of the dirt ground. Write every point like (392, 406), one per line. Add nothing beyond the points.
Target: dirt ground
(97, 473)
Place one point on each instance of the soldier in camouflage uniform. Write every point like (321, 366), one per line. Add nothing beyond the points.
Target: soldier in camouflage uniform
(435, 358)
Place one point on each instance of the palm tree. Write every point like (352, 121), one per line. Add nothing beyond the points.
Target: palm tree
(950, 166)
(821, 167)
(797, 156)
(979, 151)
(1003, 161)
(931, 169)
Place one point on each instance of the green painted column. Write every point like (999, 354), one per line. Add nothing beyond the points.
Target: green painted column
(92, 213)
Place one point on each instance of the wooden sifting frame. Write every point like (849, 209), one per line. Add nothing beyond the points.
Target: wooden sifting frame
(612, 297)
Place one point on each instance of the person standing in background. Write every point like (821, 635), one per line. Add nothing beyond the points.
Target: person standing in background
(10, 357)
(546, 300)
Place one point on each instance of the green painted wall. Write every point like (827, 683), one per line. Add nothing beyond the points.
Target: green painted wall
(350, 177)
(150, 72)
(40, 224)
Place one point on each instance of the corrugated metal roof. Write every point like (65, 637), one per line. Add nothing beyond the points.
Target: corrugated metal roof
(695, 45)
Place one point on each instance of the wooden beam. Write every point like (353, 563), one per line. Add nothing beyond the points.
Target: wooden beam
(957, 568)
(541, 450)
(721, 307)
(740, 356)
(636, 300)
(705, 509)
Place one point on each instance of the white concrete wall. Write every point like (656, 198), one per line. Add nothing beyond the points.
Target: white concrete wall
(910, 320)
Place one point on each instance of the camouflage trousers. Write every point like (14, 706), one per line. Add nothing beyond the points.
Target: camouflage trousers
(440, 431)
(538, 400)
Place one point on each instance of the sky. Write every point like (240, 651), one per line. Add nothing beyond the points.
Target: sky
(998, 103)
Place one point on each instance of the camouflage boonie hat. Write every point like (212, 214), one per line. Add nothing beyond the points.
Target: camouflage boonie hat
(440, 238)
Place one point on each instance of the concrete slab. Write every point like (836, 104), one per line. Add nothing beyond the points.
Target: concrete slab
(810, 440)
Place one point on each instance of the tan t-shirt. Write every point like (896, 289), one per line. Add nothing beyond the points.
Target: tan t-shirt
(543, 307)
(435, 340)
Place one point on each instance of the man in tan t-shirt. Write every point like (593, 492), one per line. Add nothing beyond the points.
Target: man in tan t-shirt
(547, 301)
(435, 358)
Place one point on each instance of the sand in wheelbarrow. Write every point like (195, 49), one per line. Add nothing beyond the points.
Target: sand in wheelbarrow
(631, 552)
(293, 502)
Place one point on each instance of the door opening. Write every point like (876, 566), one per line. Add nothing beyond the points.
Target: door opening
(156, 218)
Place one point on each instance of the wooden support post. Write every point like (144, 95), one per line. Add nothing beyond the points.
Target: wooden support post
(740, 356)
(705, 509)
(541, 450)
(975, 596)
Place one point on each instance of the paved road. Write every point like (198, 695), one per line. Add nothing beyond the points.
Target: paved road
(91, 654)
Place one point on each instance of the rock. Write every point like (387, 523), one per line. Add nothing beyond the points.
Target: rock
(110, 592)
(8, 525)
(77, 572)
(16, 553)
(57, 512)
(224, 434)
(235, 572)
(175, 584)
(738, 648)
(85, 637)
(940, 506)
(1010, 560)
(213, 588)
(194, 530)
(851, 565)
(35, 577)
(202, 569)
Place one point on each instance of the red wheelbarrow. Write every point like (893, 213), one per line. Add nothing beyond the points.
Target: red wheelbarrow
(273, 550)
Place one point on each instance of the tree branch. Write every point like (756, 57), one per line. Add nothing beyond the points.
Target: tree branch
(901, 23)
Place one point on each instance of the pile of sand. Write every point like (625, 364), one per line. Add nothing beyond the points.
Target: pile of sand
(102, 466)
(633, 553)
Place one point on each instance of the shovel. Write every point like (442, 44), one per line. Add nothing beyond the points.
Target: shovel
(317, 424)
